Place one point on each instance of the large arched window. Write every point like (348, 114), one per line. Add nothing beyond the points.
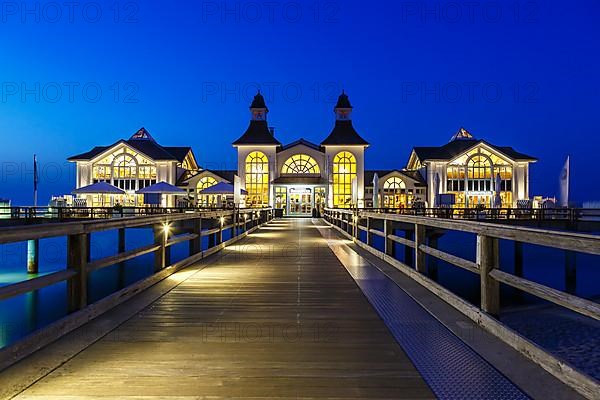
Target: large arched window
(344, 171)
(479, 174)
(257, 179)
(205, 183)
(300, 164)
(206, 200)
(125, 172)
(394, 193)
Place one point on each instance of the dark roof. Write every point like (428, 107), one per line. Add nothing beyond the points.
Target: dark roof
(258, 101)
(343, 101)
(257, 133)
(143, 142)
(227, 175)
(178, 152)
(343, 133)
(456, 147)
(370, 174)
(307, 180)
(299, 142)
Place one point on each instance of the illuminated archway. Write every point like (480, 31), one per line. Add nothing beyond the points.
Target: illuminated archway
(344, 171)
(257, 179)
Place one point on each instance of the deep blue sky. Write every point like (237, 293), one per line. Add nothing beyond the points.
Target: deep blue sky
(524, 74)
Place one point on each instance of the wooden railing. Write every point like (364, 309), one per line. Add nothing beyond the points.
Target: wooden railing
(68, 213)
(193, 227)
(487, 266)
(492, 214)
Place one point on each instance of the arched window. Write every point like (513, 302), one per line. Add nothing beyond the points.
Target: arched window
(125, 172)
(394, 193)
(257, 179)
(479, 174)
(206, 200)
(124, 166)
(205, 183)
(344, 171)
(300, 164)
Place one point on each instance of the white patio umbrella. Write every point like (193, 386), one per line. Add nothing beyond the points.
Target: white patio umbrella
(99, 188)
(498, 189)
(162, 188)
(436, 190)
(375, 191)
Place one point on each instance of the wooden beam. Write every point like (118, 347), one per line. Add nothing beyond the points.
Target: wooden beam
(77, 248)
(121, 257)
(450, 258)
(8, 291)
(420, 237)
(488, 258)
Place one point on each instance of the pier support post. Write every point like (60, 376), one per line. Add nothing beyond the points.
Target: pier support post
(33, 256)
(196, 243)
(77, 249)
(420, 238)
(488, 258)
(212, 237)
(388, 229)
(570, 272)
(519, 259)
(121, 240)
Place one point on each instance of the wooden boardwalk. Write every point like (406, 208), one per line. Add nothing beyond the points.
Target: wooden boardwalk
(275, 316)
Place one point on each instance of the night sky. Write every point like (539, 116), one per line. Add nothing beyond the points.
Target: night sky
(522, 74)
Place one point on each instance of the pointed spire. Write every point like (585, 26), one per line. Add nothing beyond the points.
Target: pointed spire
(258, 101)
(462, 134)
(343, 101)
(142, 134)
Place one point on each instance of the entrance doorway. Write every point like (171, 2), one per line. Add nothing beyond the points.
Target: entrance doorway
(300, 201)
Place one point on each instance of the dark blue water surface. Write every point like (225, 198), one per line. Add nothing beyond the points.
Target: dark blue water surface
(26, 313)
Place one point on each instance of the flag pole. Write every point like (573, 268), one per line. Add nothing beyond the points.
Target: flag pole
(35, 181)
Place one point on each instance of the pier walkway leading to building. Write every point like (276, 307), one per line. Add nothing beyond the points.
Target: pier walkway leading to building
(290, 311)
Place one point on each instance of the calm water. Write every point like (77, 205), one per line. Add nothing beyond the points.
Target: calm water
(568, 335)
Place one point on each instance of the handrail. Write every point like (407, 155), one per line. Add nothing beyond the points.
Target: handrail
(569, 241)
(487, 267)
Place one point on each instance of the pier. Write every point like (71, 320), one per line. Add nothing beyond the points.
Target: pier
(290, 308)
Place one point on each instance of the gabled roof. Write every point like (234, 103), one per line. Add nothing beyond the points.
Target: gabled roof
(414, 175)
(227, 175)
(258, 134)
(343, 133)
(456, 147)
(143, 142)
(301, 142)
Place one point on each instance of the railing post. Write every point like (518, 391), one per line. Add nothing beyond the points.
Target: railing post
(488, 258)
(388, 229)
(77, 249)
(369, 234)
(160, 237)
(196, 243)
(220, 234)
(121, 241)
(420, 237)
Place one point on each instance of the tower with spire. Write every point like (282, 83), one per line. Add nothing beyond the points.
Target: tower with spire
(344, 138)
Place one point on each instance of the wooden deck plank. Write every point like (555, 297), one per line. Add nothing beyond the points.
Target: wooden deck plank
(276, 317)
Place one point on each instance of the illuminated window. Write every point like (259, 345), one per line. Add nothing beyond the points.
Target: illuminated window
(300, 164)
(395, 194)
(344, 171)
(472, 178)
(205, 183)
(257, 179)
